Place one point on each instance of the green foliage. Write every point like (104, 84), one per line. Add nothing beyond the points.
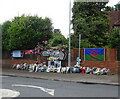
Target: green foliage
(58, 39)
(87, 44)
(5, 35)
(26, 31)
(0, 28)
(84, 43)
(117, 6)
(74, 41)
(114, 38)
(91, 22)
(109, 8)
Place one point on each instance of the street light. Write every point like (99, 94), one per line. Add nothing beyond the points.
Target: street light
(69, 54)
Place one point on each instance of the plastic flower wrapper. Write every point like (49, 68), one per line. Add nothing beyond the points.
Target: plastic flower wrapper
(51, 58)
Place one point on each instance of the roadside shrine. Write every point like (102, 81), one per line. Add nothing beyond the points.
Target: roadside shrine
(54, 58)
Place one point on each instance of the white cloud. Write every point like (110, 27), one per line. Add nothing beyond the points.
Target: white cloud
(113, 2)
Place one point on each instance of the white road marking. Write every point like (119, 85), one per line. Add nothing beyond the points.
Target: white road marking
(8, 93)
(49, 91)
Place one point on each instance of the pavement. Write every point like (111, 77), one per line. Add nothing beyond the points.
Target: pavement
(68, 77)
(8, 93)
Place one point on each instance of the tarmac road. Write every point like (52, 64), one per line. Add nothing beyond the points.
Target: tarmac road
(30, 87)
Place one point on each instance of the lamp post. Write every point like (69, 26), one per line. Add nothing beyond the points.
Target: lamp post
(69, 54)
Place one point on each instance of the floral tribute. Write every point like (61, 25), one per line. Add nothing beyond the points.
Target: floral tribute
(44, 47)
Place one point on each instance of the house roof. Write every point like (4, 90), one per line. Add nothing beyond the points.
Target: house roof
(117, 23)
(114, 17)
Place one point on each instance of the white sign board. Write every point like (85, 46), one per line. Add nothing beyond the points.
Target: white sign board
(16, 53)
(56, 53)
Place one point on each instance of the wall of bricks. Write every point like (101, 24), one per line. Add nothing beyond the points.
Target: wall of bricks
(8, 63)
(110, 62)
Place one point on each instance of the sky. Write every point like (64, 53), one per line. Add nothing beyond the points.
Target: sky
(56, 10)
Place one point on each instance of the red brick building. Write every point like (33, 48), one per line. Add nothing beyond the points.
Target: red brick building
(114, 16)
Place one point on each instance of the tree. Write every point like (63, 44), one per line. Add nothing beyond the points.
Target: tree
(91, 22)
(26, 31)
(109, 8)
(114, 38)
(117, 6)
(58, 39)
(0, 28)
(5, 35)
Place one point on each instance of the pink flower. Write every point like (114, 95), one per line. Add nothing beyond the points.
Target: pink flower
(63, 50)
(39, 47)
(45, 42)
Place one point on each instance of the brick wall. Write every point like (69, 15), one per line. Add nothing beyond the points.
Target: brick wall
(110, 60)
(8, 63)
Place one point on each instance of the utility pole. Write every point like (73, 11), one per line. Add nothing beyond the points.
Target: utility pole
(79, 48)
(79, 44)
(69, 54)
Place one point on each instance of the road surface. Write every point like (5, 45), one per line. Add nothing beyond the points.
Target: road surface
(30, 87)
